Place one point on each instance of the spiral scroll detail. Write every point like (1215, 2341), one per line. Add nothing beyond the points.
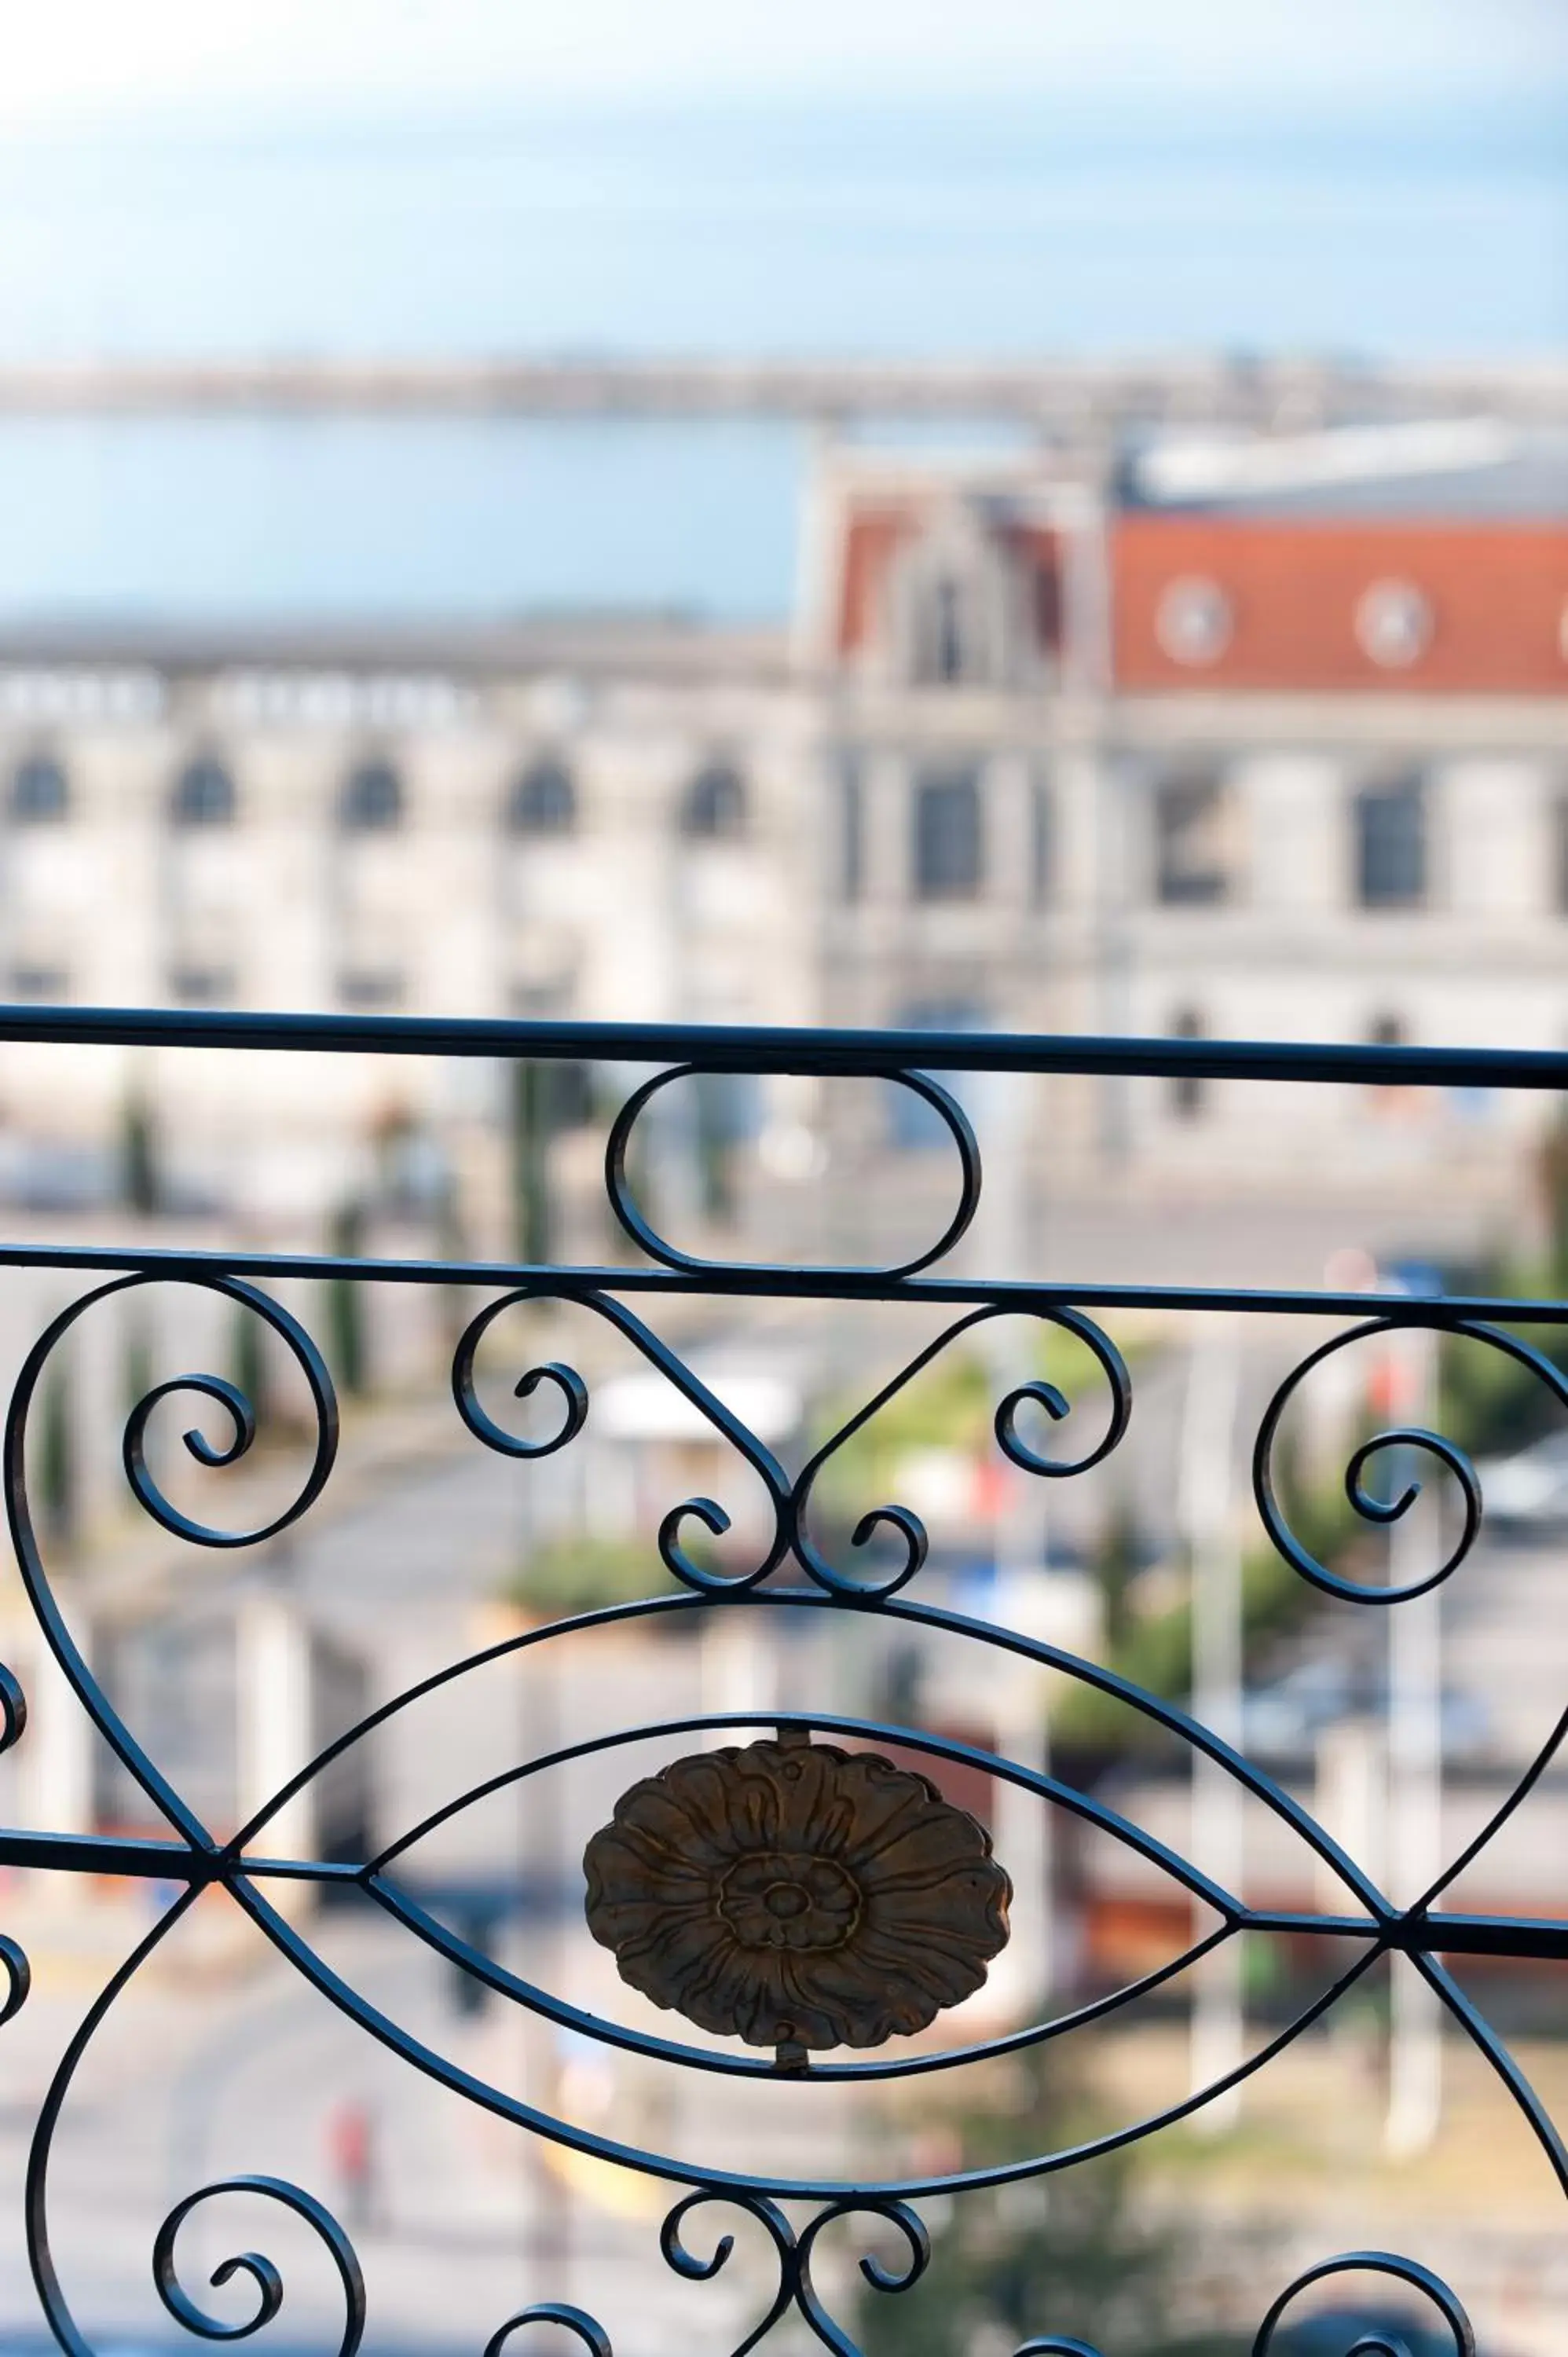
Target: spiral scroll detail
(1378, 2263)
(901, 1521)
(1432, 1446)
(574, 2321)
(673, 1554)
(253, 2264)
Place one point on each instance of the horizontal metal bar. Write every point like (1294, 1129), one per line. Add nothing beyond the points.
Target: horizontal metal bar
(1520, 1937)
(1517, 1937)
(758, 1048)
(158, 1861)
(763, 1281)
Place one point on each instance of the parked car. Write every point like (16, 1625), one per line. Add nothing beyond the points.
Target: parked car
(1284, 1719)
(1528, 1490)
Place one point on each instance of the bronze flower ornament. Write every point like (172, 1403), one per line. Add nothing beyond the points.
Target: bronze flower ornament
(796, 1895)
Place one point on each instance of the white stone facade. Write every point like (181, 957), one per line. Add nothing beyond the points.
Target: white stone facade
(738, 829)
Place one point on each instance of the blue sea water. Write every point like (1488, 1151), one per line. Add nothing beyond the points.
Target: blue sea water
(1013, 229)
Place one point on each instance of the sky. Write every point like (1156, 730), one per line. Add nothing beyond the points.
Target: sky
(223, 177)
(88, 56)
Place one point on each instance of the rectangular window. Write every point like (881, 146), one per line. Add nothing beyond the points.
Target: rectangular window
(1188, 1091)
(366, 990)
(852, 831)
(1192, 865)
(947, 845)
(202, 985)
(40, 982)
(1391, 845)
(1042, 845)
(1559, 855)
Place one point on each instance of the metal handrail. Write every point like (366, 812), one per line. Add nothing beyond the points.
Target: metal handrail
(792, 1571)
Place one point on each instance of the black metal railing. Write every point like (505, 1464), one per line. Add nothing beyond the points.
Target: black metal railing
(795, 1573)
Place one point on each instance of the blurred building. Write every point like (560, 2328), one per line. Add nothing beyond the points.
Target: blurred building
(1248, 738)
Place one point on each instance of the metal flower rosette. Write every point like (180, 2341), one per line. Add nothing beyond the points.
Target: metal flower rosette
(796, 1896)
(807, 1900)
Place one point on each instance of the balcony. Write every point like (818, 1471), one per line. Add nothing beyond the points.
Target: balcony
(585, 1850)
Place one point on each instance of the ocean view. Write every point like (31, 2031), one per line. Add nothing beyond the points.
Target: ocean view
(799, 229)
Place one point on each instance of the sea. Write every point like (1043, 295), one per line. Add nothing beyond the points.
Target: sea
(1014, 227)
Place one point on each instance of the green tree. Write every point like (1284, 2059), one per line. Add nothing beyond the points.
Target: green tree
(1067, 2254)
(576, 1572)
(1153, 1649)
(534, 1123)
(1118, 1559)
(251, 1369)
(345, 1304)
(136, 1371)
(1490, 1404)
(141, 1181)
(57, 1463)
(721, 1111)
(1553, 1169)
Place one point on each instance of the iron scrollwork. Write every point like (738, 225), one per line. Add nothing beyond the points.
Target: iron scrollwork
(1393, 2269)
(804, 1892)
(260, 2269)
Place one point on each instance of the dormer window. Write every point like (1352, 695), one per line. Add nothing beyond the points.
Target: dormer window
(1193, 621)
(951, 646)
(960, 610)
(1394, 624)
(945, 660)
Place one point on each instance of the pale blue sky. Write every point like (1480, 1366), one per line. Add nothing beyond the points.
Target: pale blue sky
(89, 55)
(863, 177)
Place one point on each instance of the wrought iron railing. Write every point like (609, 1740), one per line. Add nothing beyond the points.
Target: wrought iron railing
(800, 1892)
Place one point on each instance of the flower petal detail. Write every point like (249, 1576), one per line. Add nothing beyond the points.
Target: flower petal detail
(792, 1894)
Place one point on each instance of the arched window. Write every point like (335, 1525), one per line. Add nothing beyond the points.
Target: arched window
(962, 604)
(203, 794)
(714, 807)
(544, 800)
(40, 795)
(372, 800)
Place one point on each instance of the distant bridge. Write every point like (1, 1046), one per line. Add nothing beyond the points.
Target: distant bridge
(1058, 397)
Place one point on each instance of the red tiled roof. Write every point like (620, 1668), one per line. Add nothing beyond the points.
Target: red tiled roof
(1495, 595)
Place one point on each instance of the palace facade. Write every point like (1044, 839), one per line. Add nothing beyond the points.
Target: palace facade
(1269, 739)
